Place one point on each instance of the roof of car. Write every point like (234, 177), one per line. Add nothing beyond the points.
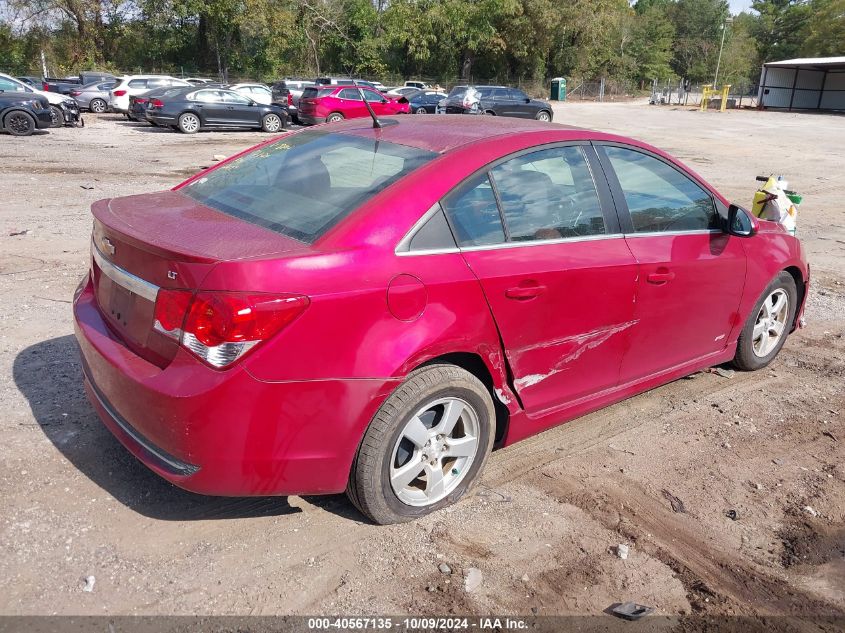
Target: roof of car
(442, 133)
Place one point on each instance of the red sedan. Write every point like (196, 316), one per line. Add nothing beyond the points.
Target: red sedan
(330, 104)
(373, 310)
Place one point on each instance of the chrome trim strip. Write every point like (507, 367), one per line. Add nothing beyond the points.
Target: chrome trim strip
(670, 233)
(431, 251)
(124, 278)
(176, 466)
(563, 240)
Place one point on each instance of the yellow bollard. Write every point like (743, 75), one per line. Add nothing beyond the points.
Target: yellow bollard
(725, 90)
(705, 96)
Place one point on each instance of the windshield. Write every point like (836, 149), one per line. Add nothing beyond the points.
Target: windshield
(305, 183)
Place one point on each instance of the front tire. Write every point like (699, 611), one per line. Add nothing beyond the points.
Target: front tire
(57, 118)
(425, 447)
(544, 115)
(98, 106)
(768, 325)
(420, 111)
(272, 123)
(19, 123)
(188, 123)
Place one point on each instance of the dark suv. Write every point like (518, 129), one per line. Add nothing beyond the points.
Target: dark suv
(494, 100)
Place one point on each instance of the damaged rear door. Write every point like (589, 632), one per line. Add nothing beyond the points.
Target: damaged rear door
(560, 280)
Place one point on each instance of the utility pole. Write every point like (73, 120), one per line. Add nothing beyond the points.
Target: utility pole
(728, 20)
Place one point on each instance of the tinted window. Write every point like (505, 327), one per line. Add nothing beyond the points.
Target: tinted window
(233, 97)
(549, 195)
(137, 83)
(499, 93)
(208, 96)
(157, 83)
(474, 214)
(659, 197)
(349, 93)
(434, 234)
(311, 93)
(305, 183)
(517, 95)
(10, 86)
(372, 96)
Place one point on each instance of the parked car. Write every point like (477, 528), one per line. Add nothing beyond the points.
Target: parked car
(138, 104)
(94, 96)
(494, 100)
(139, 85)
(419, 85)
(404, 91)
(257, 92)
(327, 105)
(379, 86)
(334, 81)
(425, 101)
(289, 91)
(377, 316)
(32, 81)
(192, 109)
(23, 113)
(66, 85)
(197, 81)
(63, 109)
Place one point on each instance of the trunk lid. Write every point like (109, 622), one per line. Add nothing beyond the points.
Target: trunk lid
(164, 240)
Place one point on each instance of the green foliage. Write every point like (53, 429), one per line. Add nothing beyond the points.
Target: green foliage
(442, 40)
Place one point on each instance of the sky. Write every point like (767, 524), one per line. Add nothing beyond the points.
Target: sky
(738, 6)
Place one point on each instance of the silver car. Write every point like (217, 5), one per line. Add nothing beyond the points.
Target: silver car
(94, 96)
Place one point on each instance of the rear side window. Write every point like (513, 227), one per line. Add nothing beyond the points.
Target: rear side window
(549, 194)
(659, 197)
(312, 93)
(137, 83)
(474, 213)
(305, 183)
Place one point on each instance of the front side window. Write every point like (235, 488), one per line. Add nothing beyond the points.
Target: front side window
(373, 97)
(549, 194)
(307, 182)
(474, 213)
(659, 197)
(10, 86)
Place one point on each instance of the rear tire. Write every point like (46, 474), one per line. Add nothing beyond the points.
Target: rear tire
(544, 115)
(420, 111)
(334, 117)
(425, 447)
(768, 325)
(272, 123)
(56, 116)
(19, 123)
(188, 123)
(98, 106)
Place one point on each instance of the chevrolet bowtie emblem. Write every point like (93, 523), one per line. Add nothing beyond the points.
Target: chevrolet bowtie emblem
(108, 246)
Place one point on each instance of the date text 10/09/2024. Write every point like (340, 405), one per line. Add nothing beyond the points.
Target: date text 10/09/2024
(417, 624)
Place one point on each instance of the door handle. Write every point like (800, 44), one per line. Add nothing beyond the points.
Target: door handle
(661, 277)
(522, 293)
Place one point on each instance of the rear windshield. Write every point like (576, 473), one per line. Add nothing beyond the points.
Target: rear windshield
(311, 93)
(305, 183)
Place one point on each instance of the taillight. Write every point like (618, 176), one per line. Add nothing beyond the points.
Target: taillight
(119, 93)
(75, 93)
(45, 87)
(290, 99)
(156, 103)
(221, 327)
(140, 100)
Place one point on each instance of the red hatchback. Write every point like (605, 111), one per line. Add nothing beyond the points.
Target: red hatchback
(335, 103)
(372, 310)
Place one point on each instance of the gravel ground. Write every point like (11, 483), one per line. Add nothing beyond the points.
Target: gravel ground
(542, 528)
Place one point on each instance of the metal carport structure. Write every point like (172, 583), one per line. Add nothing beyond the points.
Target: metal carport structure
(803, 84)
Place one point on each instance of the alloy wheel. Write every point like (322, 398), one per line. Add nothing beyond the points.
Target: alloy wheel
(544, 116)
(770, 324)
(421, 111)
(19, 124)
(434, 451)
(98, 106)
(272, 123)
(189, 123)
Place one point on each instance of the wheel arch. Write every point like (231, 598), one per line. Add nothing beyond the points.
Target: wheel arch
(475, 365)
(801, 288)
(196, 113)
(11, 110)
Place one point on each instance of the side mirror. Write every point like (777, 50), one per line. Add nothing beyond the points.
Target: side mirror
(527, 100)
(740, 222)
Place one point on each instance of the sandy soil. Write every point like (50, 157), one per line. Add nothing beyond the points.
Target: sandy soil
(543, 526)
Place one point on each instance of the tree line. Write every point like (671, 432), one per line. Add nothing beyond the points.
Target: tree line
(443, 40)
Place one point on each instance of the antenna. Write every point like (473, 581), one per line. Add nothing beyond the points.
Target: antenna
(376, 122)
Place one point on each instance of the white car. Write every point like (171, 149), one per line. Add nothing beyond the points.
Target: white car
(63, 109)
(257, 92)
(133, 85)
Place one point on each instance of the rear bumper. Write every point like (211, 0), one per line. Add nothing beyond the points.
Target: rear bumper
(223, 432)
(308, 119)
